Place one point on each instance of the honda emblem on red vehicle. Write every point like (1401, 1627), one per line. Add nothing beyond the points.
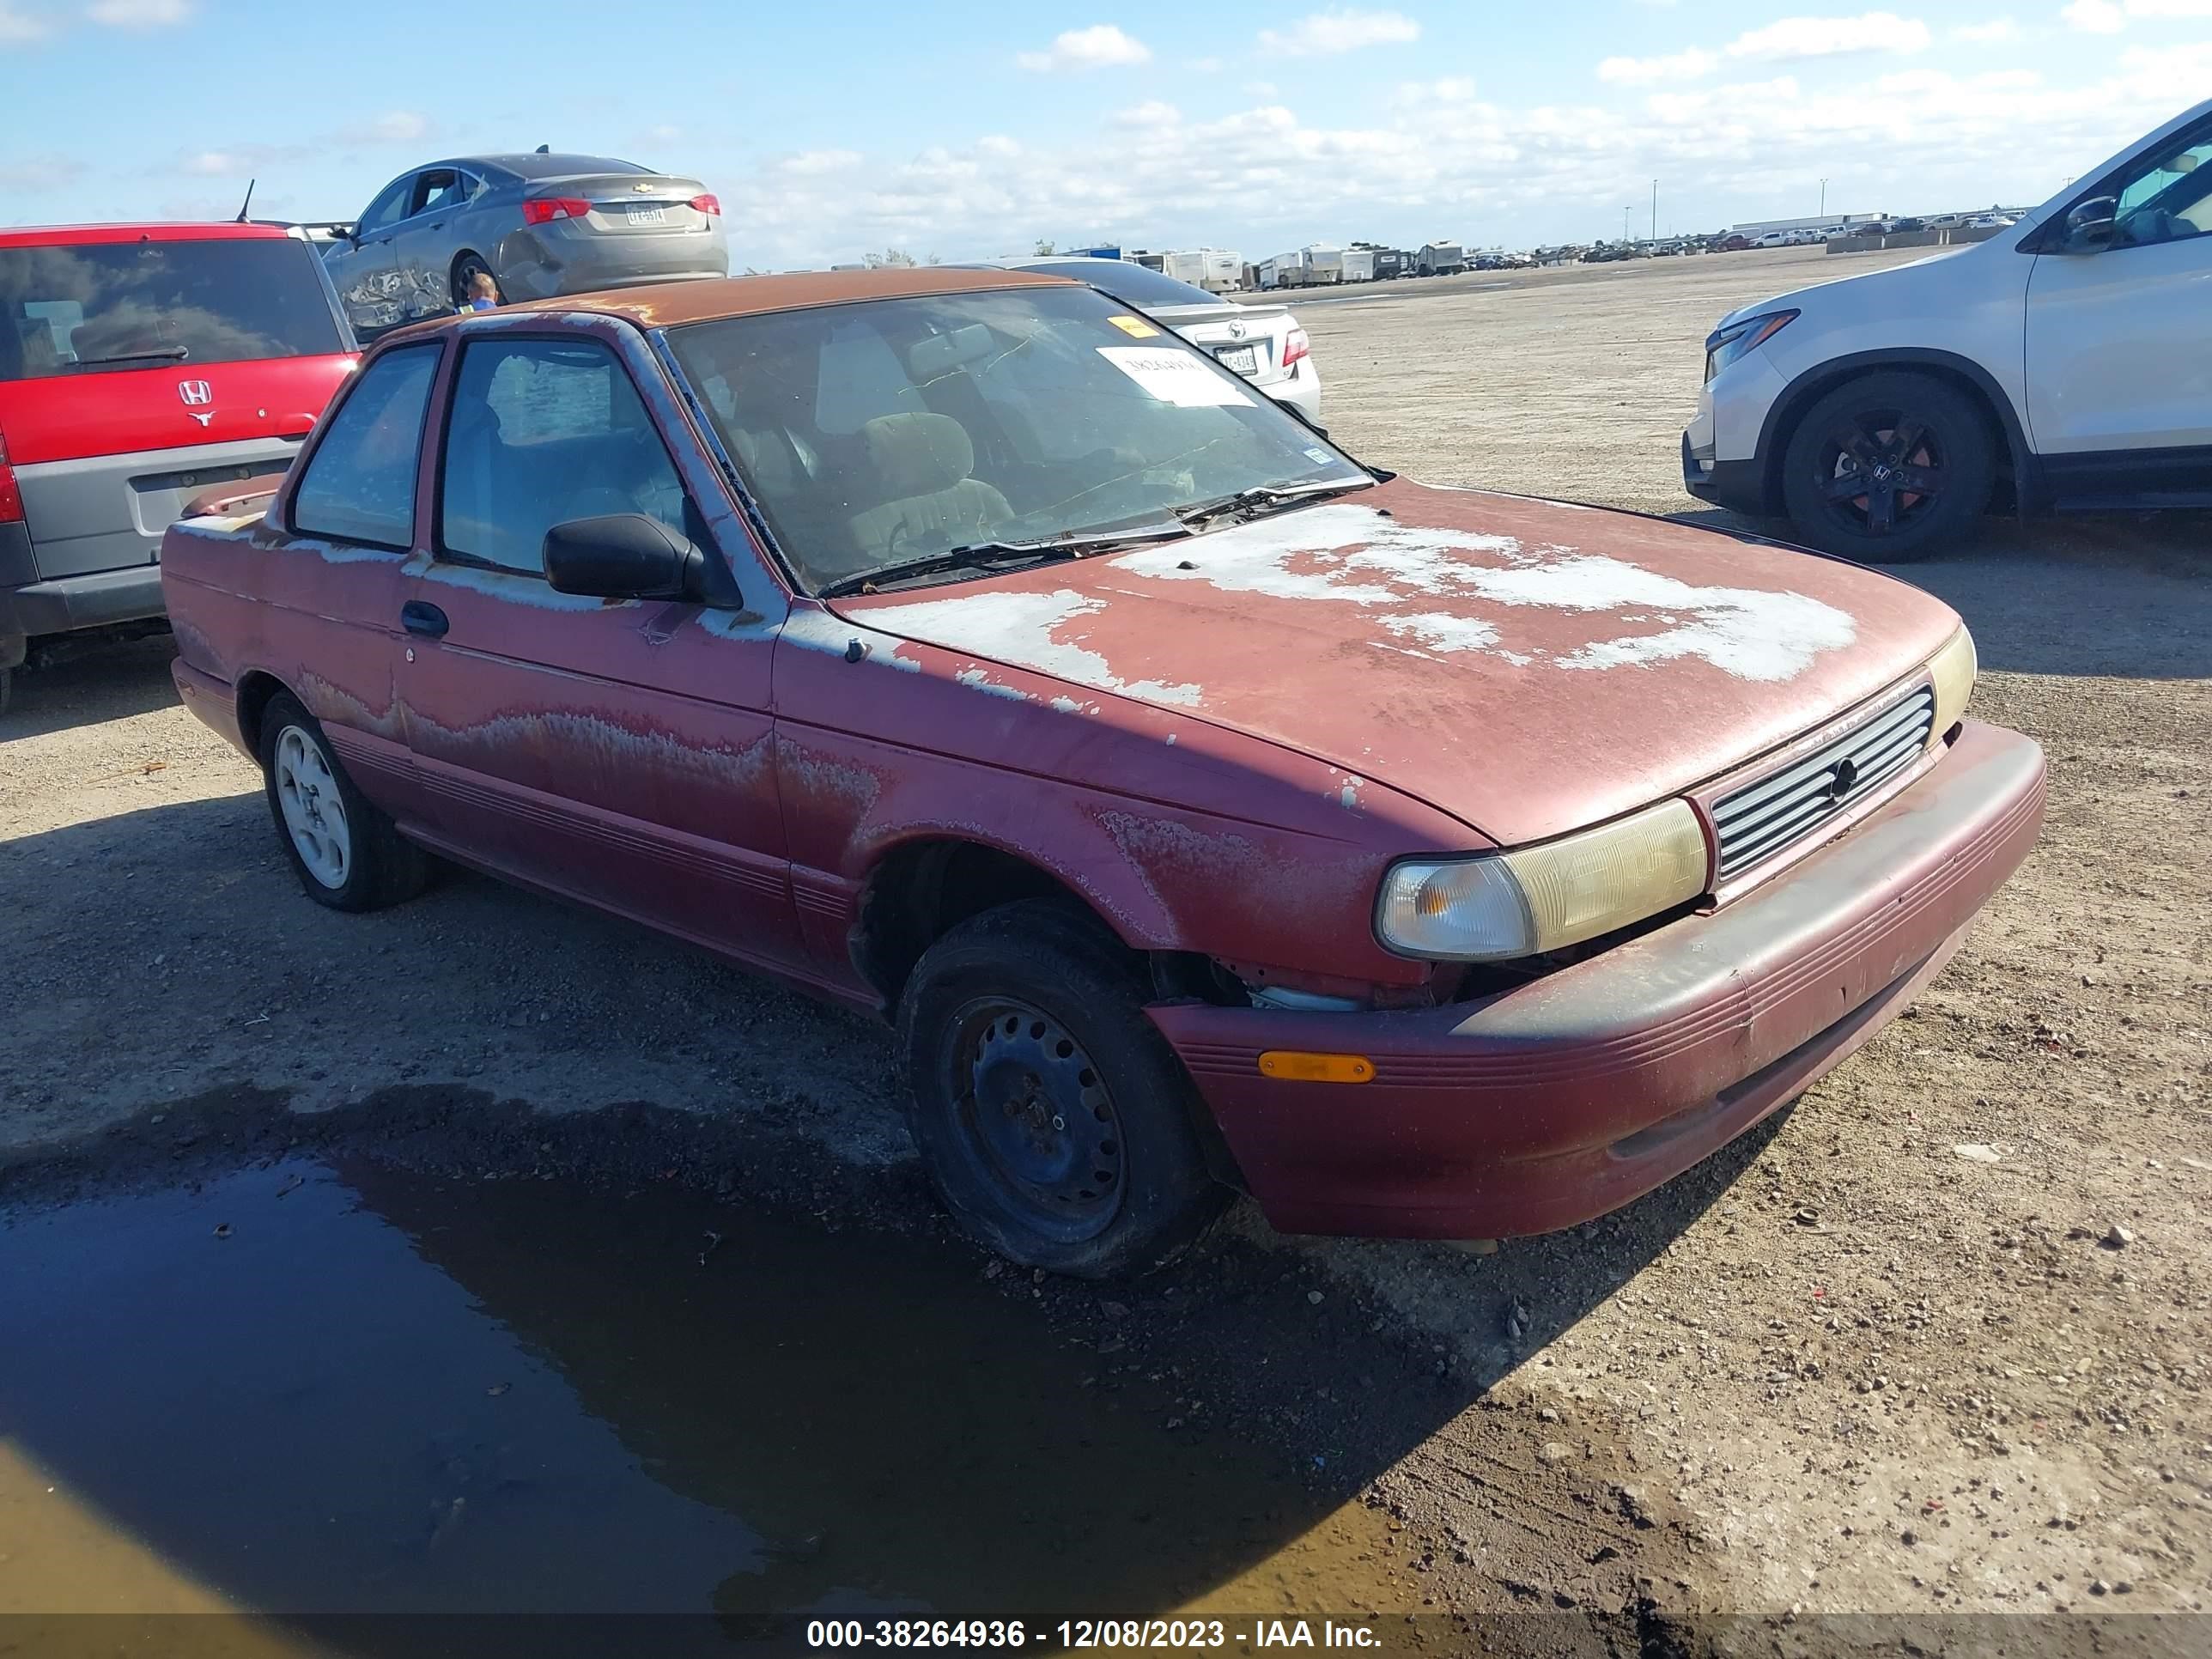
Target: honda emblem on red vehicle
(195, 391)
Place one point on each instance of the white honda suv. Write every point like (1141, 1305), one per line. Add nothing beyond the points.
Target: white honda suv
(2065, 363)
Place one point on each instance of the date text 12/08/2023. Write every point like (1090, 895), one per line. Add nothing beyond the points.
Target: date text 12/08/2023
(1075, 1634)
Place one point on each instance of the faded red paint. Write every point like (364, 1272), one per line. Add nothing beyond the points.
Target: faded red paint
(1221, 766)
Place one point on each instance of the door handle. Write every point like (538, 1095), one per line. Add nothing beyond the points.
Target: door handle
(417, 616)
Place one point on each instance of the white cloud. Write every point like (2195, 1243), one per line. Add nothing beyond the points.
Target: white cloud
(1795, 37)
(1099, 46)
(398, 126)
(18, 26)
(2000, 28)
(1647, 71)
(1261, 89)
(214, 163)
(1266, 174)
(2111, 17)
(1150, 113)
(665, 134)
(812, 163)
(1326, 33)
(139, 14)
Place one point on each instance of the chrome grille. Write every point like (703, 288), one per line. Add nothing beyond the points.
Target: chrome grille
(1762, 818)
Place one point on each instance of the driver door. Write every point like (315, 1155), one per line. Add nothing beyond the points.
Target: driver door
(365, 269)
(613, 750)
(2120, 340)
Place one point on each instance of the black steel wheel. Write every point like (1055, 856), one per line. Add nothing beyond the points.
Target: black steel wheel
(1035, 1116)
(1888, 468)
(1056, 1123)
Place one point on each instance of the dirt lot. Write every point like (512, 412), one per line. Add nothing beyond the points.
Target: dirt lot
(1935, 1341)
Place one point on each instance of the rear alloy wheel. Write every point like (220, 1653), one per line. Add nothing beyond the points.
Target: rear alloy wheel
(346, 854)
(1888, 468)
(1055, 1121)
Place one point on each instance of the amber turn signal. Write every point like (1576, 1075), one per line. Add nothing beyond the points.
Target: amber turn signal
(1297, 1066)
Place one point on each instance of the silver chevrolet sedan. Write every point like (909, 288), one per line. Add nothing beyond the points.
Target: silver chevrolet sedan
(542, 225)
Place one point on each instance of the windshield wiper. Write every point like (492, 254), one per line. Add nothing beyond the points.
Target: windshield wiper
(984, 556)
(1268, 496)
(154, 354)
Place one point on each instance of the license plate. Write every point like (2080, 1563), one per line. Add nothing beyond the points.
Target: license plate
(1244, 359)
(648, 215)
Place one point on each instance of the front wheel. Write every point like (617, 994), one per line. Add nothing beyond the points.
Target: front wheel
(1888, 468)
(1056, 1123)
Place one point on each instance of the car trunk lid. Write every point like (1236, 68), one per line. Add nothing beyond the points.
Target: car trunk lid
(1247, 338)
(625, 203)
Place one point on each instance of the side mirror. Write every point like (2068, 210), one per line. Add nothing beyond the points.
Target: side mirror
(629, 555)
(2092, 225)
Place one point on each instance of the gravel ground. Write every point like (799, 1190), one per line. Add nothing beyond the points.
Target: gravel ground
(1935, 1341)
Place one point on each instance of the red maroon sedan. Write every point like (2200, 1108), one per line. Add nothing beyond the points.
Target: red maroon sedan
(1206, 807)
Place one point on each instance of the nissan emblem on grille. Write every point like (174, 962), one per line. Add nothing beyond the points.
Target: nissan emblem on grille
(1763, 818)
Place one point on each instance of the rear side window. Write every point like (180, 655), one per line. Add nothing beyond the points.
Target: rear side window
(360, 484)
(542, 432)
(155, 305)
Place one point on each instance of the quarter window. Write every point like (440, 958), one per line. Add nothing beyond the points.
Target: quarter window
(542, 432)
(359, 482)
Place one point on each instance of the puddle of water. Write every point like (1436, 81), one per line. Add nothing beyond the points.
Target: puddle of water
(318, 1390)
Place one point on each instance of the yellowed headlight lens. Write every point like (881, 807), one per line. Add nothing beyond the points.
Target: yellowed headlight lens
(1952, 669)
(1542, 898)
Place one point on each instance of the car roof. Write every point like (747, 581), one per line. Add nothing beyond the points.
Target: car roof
(218, 230)
(671, 305)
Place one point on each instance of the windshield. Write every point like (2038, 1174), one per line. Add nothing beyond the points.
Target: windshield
(68, 310)
(896, 429)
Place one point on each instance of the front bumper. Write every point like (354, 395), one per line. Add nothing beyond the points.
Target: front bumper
(67, 604)
(1567, 1098)
(1739, 486)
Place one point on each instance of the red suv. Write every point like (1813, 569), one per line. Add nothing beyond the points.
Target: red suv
(139, 365)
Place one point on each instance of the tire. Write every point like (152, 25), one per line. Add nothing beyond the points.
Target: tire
(7, 687)
(465, 266)
(346, 853)
(1883, 431)
(1001, 1023)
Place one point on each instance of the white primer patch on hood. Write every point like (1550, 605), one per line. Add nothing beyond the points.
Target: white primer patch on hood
(1025, 627)
(1355, 554)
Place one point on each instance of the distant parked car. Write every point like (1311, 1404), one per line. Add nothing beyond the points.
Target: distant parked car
(1198, 805)
(1262, 343)
(541, 224)
(139, 365)
(2067, 357)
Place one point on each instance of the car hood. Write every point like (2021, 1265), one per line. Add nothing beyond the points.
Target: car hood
(1894, 280)
(1528, 666)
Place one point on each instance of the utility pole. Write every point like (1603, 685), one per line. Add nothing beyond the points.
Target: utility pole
(1824, 199)
(1627, 234)
(1655, 210)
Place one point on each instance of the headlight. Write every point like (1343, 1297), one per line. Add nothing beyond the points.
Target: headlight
(1724, 345)
(1952, 669)
(1535, 899)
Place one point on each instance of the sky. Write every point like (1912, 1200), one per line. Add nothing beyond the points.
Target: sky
(962, 130)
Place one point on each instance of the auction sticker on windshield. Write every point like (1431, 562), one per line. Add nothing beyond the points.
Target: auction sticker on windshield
(1175, 377)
